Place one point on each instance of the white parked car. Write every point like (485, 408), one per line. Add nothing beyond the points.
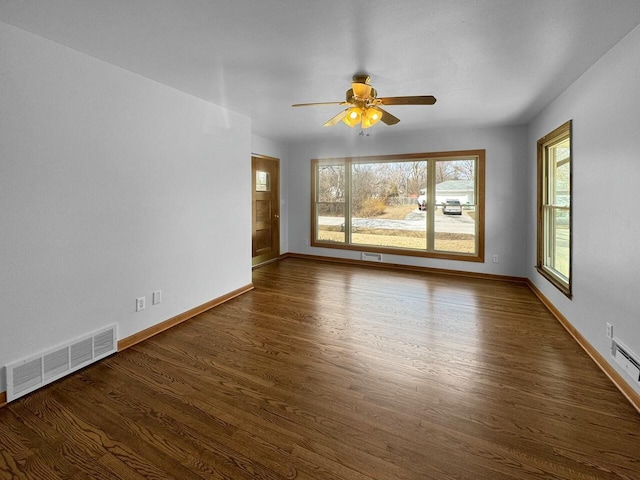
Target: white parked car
(452, 207)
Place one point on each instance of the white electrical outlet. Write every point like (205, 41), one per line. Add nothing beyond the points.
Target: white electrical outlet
(140, 303)
(609, 330)
(157, 297)
(496, 259)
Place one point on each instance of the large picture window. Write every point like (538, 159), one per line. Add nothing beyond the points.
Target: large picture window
(429, 205)
(554, 207)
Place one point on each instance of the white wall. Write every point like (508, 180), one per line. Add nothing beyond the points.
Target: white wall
(111, 186)
(505, 202)
(605, 107)
(271, 148)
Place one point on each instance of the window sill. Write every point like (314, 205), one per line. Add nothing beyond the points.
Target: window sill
(564, 288)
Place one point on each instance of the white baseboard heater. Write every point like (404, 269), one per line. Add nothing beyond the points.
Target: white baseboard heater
(30, 373)
(626, 359)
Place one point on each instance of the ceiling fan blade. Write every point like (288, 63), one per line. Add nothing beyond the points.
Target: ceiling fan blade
(388, 118)
(415, 100)
(336, 119)
(318, 103)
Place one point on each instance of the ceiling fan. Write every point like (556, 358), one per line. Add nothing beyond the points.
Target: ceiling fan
(364, 105)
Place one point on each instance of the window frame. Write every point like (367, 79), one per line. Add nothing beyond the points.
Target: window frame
(430, 158)
(557, 279)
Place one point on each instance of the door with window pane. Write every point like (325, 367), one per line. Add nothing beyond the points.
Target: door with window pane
(265, 209)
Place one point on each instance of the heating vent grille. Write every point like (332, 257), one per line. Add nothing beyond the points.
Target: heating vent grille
(371, 257)
(626, 359)
(104, 343)
(81, 352)
(28, 374)
(56, 363)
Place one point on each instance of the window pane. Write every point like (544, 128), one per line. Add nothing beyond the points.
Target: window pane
(455, 217)
(559, 198)
(561, 234)
(385, 204)
(561, 175)
(263, 183)
(330, 209)
(331, 183)
(331, 222)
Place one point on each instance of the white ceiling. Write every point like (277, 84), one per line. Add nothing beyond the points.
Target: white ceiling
(488, 62)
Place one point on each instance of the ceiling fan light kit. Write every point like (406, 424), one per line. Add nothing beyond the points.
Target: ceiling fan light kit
(352, 118)
(364, 109)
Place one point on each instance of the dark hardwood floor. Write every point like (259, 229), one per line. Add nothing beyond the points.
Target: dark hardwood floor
(329, 371)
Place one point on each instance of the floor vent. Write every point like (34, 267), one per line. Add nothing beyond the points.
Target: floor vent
(26, 375)
(626, 359)
(372, 257)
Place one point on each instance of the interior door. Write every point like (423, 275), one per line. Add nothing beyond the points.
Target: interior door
(265, 181)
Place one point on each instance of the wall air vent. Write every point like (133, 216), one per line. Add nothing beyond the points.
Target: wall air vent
(371, 257)
(28, 374)
(624, 357)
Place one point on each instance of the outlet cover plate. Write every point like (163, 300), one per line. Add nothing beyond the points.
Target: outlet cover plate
(140, 303)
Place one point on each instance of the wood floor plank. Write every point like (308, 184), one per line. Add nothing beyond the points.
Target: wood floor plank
(328, 371)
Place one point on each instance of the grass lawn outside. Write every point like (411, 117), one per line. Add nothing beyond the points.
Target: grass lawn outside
(447, 242)
(409, 239)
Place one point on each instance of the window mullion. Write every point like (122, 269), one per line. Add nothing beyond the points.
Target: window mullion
(347, 203)
(551, 235)
(431, 203)
(316, 198)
